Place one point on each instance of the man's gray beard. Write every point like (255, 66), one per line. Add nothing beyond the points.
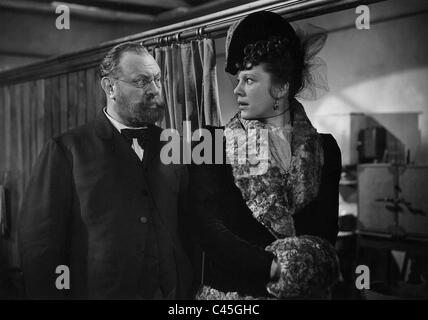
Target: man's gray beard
(146, 114)
(152, 115)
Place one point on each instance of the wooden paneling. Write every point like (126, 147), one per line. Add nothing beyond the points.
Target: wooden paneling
(18, 133)
(33, 122)
(55, 106)
(7, 128)
(91, 87)
(100, 97)
(26, 134)
(72, 99)
(48, 132)
(63, 104)
(2, 131)
(31, 113)
(81, 97)
(40, 100)
(15, 183)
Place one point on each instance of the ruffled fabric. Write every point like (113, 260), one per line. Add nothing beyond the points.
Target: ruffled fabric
(309, 267)
(274, 189)
(315, 83)
(276, 183)
(209, 293)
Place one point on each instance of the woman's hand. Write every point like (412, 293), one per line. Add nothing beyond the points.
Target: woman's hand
(308, 268)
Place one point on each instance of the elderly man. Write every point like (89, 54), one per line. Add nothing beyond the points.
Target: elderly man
(101, 214)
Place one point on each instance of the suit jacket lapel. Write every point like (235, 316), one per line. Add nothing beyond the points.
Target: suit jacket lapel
(130, 164)
(127, 161)
(161, 179)
(153, 147)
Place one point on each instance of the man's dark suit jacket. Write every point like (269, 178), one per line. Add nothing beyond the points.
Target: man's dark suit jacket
(88, 206)
(234, 241)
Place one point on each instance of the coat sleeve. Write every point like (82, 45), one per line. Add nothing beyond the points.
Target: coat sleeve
(320, 217)
(224, 226)
(44, 222)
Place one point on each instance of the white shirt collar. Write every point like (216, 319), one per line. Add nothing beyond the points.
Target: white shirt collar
(119, 126)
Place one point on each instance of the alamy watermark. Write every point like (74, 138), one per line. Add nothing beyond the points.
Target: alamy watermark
(363, 20)
(63, 20)
(63, 280)
(362, 281)
(197, 147)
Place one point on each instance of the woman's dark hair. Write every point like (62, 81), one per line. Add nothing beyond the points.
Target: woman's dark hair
(283, 59)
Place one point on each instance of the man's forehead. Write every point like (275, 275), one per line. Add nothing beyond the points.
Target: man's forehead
(133, 63)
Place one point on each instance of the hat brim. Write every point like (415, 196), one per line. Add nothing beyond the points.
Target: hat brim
(255, 27)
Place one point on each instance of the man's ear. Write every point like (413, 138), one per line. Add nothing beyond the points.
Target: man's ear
(108, 88)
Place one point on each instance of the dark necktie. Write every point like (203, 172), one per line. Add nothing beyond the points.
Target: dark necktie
(142, 135)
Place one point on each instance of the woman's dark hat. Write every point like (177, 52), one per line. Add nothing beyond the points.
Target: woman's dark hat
(254, 27)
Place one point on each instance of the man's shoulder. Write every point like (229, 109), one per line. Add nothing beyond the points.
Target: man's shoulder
(78, 135)
(66, 143)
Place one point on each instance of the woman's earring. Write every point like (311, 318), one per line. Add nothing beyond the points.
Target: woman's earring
(276, 105)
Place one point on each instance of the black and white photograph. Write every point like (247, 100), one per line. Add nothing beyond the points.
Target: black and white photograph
(217, 155)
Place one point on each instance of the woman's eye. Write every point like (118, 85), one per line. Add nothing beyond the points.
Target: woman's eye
(249, 81)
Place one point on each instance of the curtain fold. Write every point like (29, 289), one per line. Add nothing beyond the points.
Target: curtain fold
(212, 114)
(189, 84)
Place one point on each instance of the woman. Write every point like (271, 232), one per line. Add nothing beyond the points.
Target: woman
(268, 227)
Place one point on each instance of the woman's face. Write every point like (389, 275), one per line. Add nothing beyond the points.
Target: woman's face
(253, 93)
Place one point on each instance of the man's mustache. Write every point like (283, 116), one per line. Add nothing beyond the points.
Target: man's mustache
(155, 100)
